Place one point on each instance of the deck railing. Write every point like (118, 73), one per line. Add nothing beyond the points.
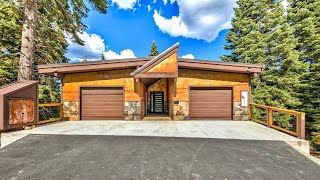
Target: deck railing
(50, 112)
(299, 119)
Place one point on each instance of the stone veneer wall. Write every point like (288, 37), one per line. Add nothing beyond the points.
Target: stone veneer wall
(132, 110)
(181, 110)
(70, 109)
(240, 113)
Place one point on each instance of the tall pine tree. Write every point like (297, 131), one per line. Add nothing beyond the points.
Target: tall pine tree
(63, 14)
(102, 57)
(304, 16)
(154, 50)
(50, 48)
(260, 34)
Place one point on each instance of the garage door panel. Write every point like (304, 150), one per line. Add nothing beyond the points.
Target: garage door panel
(104, 114)
(102, 103)
(100, 118)
(99, 103)
(102, 98)
(96, 91)
(211, 103)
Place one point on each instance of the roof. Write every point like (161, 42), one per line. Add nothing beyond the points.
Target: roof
(156, 59)
(143, 64)
(14, 87)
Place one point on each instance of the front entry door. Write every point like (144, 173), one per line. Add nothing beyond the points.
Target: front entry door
(157, 102)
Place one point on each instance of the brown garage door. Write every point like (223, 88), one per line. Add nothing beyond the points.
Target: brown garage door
(100, 103)
(211, 103)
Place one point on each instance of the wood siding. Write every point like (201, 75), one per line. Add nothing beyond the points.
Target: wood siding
(168, 65)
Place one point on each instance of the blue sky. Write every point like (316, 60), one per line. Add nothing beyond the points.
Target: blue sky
(130, 26)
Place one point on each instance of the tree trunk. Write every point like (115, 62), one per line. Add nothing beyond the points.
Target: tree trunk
(28, 41)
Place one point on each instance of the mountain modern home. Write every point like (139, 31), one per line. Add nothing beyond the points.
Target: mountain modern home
(161, 86)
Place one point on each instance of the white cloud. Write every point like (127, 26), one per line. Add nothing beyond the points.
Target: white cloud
(166, 1)
(188, 56)
(127, 53)
(125, 4)
(149, 8)
(92, 49)
(201, 19)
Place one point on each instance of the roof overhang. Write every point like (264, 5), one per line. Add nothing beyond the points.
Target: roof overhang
(61, 69)
(220, 66)
(145, 67)
(68, 68)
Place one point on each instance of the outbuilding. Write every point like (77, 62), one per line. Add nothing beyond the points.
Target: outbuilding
(164, 87)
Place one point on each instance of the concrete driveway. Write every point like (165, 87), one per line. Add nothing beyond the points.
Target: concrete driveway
(245, 130)
(123, 157)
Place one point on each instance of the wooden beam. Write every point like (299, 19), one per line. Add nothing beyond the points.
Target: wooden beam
(157, 75)
(50, 120)
(50, 104)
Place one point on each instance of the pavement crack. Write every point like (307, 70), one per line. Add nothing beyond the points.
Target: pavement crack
(204, 132)
(194, 157)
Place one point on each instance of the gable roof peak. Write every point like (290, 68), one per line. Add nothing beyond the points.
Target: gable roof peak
(152, 62)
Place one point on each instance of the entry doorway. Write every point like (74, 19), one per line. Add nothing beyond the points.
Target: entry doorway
(157, 102)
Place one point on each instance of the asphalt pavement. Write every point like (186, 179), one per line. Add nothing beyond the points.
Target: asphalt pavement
(129, 157)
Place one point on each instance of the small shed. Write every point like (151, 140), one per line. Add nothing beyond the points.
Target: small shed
(18, 105)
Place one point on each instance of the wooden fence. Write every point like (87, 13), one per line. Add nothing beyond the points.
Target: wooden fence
(60, 105)
(299, 118)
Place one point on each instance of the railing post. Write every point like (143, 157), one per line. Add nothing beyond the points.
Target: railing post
(61, 111)
(250, 112)
(301, 125)
(269, 117)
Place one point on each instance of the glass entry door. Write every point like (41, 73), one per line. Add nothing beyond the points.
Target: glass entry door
(157, 102)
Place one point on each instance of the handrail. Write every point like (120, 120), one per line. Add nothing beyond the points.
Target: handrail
(300, 119)
(52, 119)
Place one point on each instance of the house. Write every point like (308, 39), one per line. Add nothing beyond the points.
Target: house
(161, 86)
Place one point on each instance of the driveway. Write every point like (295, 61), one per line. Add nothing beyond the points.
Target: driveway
(129, 157)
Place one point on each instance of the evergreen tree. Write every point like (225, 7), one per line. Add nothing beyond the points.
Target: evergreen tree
(65, 15)
(85, 58)
(51, 47)
(304, 16)
(260, 34)
(154, 50)
(102, 56)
